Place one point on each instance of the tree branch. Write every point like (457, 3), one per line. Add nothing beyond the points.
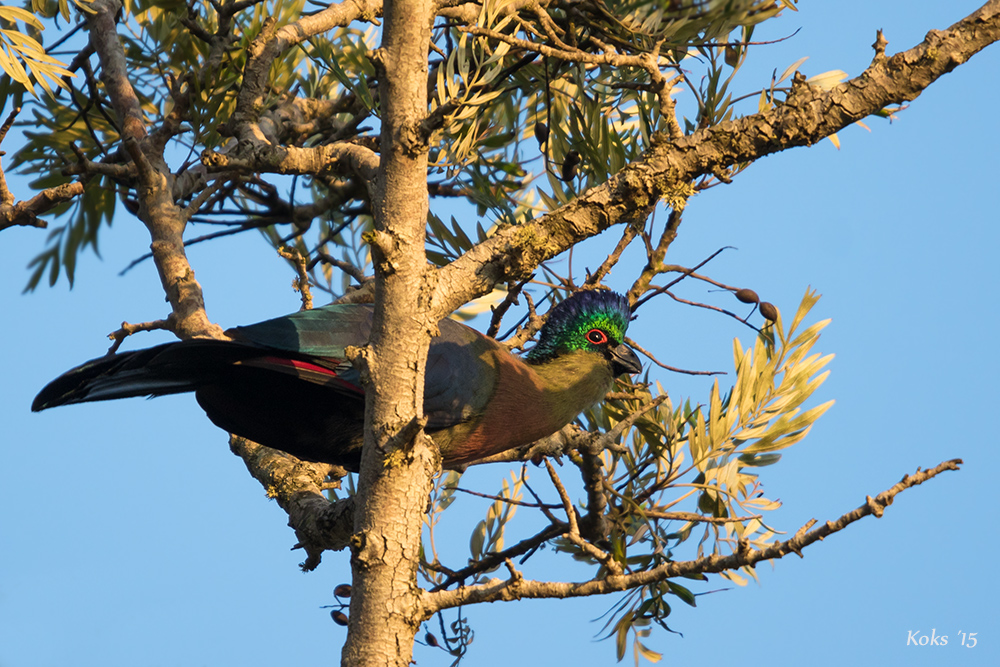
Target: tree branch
(492, 560)
(26, 213)
(259, 156)
(126, 330)
(297, 486)
(255, 88)
(398, 459)
(157, 209)
(807, 115)
(497, 589)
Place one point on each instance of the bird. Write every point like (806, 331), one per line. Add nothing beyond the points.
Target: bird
(286, 383)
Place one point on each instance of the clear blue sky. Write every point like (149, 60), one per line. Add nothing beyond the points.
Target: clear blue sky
(129, 535)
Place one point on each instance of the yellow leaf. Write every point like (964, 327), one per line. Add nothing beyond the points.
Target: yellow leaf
(763, 104)
(791, 69)
(827, 80)
(735, 578)
(480, 305)
(647, 653)
(16, 13)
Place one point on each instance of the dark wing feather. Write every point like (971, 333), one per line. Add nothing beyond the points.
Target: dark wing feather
(320, 332)
(171, 368)
(461, 375)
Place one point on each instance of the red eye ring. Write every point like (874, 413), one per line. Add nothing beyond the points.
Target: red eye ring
(597, 337)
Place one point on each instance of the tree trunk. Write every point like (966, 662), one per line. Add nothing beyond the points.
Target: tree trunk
(398, 459)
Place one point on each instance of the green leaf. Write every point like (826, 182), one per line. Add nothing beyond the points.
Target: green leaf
(759, 460)
(683, 593)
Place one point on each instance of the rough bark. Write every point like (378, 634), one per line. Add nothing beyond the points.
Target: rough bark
(25, 213)
(157, 209)
(398, 459)
(297, 486)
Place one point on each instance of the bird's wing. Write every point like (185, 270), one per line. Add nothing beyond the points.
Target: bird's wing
(321, 335)
(461, 375)
(320, 332)
(461, 364)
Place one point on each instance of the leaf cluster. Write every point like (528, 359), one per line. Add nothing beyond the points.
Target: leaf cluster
(594, 75)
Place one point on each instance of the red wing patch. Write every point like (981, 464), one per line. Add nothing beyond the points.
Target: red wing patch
(317, 373)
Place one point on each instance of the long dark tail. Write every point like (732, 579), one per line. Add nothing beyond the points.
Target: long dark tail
(172, 368)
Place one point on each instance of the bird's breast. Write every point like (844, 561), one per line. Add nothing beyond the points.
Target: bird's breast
(529, 403)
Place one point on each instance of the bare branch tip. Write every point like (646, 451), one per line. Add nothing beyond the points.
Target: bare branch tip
(880, 43)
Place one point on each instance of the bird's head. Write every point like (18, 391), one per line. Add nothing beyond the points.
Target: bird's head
(594, 321)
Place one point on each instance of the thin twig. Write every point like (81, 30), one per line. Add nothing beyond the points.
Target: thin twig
(510, 501)
(201, 239)
(500, 310)
(524, 335)
(687, 272)
(542, 506)
(710, 307)
(631, 343)
(631, 231)
(697, 518)
(492, 560)
(301, 283)
(573, 534)
(128, 329)
(654, 256)
(6, 196)
(607, 440)
(353, 271)
(201, 198)
(8, 122)
(567, 503)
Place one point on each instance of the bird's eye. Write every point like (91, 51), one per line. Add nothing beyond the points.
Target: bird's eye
(597, 337)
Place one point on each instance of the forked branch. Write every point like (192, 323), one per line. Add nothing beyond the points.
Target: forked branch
(516, 588)
(808, 114)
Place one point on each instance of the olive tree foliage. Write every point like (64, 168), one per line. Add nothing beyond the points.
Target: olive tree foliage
(346, 135)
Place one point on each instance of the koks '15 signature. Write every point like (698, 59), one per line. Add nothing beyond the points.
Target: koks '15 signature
(915, 638)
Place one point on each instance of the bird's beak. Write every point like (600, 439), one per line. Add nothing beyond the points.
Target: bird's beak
(624, 360)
